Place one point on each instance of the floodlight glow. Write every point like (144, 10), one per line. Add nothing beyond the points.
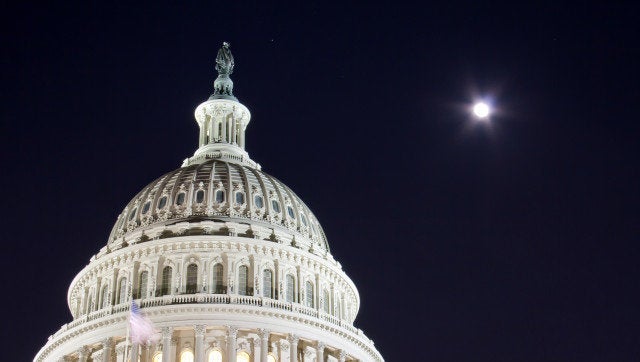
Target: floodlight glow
(481, 110)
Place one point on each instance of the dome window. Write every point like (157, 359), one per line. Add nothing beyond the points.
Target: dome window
(133, 214)
(180, 199)
(146, 207)
(275, 205)
(142, 284)
(162, 203)
(309, 295)
(258, 201)
(218, 287)
(291, 281)
(290, 212)
(243, 280)
(165, 287)
(122, 291)
(200, 196)
(267, 283)
(192, 279)
(220, 196)
(105, 296)
(303, 219)
(327, 302)
(239, 198)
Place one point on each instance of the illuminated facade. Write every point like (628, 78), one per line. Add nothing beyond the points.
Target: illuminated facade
(227, 261)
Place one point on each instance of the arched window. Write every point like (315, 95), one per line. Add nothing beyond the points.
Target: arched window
(275, 205)
(145, 207)
(157, 357)
(309, 294)
(220, 196)
(186, 356)
(243, 279)
(291, 290)
(239, 198)
(243, 357)
(290, 212)
(215, 356)
(162, 203)
(338, 309)
(142, 284)
(271, 358)
(303, 219)
(192, 279)
(132, 215)
(200, 196)
(218, 286)
(122, 290)
(258, 201)
(180, 198)
(105, 296)
(90, 302)
(267, 283)
(327, 302)
(165, 287)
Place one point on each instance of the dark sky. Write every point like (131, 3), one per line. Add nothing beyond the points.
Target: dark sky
(513, 241)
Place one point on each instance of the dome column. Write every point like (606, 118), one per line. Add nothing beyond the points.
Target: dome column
(320, 351)
(293, 348)
(199, 348)
(107, 346)
(135, 347)
(264, 344)
(166, 343)
(232, 335)
(83, 354)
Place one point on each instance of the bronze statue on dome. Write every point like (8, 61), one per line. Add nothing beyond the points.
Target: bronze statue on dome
(224, 60)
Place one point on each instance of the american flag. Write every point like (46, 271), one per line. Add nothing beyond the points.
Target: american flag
(141, 328)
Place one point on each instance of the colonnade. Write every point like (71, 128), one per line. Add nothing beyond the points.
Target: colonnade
(199, 342)
(225, 130)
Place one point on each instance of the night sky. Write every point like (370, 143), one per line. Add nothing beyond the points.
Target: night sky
(512, 240)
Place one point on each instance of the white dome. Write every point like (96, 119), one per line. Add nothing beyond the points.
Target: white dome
(220, 192)
(224, 260)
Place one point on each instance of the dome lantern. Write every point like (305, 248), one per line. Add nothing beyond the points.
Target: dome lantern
(222, 119)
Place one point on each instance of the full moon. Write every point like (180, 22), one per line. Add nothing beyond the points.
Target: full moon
(481, 110)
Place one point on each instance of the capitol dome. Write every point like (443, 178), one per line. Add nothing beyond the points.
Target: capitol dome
(224, 260)
(211, 195)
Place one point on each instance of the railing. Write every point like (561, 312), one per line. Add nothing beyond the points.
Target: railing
(205, 298)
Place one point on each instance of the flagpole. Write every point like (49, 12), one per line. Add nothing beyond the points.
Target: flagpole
(126, 344)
